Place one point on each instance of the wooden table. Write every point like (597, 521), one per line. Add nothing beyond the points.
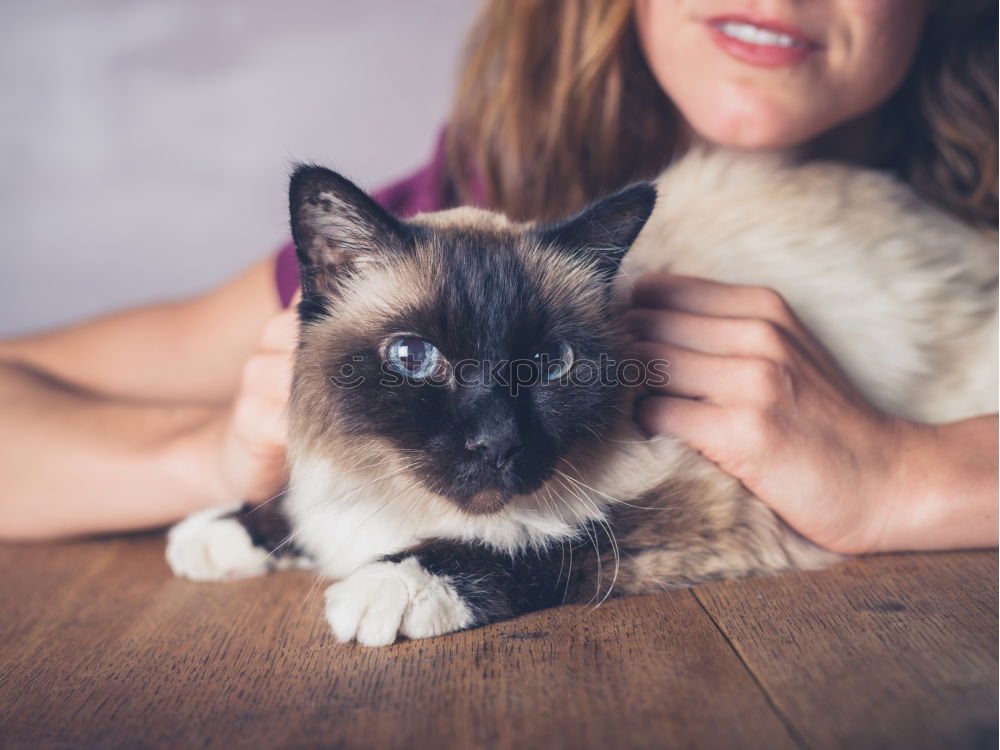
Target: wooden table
(101, 647)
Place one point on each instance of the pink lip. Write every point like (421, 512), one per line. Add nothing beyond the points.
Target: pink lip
(757, 54)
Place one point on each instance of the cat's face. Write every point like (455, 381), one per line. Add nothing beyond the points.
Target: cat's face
(474, 351)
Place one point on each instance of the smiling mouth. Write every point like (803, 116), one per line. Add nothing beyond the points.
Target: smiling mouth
(768, 44)
(751, 34)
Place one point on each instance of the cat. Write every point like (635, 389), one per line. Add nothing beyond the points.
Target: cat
(461, 449)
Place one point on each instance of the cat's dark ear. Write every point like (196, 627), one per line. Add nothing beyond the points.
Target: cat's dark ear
(605, 230)
(336, 225)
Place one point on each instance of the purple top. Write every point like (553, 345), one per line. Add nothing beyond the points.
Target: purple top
(428, 189)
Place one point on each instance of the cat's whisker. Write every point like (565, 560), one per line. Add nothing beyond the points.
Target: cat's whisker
(388, 475)
(375, 512)
(406, 516)
(652, 440)
(589, 501)
(608, 530)
(344, 471)
(643, 441)
(569, 575)
(645, 569)
(597, 548)
(571, 465)
(270, 499)
(618, 441)
(609, 497)
(617, 500)
(333, 553)
(562, 541)
(313, 590)
(323, 501)
(366, 466)
(317, 584)
(593, 432)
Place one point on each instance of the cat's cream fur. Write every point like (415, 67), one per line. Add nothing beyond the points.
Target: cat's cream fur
(904, 296)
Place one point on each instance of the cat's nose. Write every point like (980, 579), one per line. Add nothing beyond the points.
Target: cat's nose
(496, 448)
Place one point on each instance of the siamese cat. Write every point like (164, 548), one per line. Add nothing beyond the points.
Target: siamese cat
(461, 447)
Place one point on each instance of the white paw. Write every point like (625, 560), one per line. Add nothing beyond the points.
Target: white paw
(382, 600)
(206, 546)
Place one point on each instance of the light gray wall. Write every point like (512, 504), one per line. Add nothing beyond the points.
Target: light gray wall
(146, 145)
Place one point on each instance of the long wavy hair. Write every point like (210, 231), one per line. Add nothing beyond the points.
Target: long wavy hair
(556, 106)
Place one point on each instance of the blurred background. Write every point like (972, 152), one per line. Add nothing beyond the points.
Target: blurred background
(146, 145)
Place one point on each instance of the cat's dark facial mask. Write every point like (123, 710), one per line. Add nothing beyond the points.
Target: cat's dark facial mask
(482, 351)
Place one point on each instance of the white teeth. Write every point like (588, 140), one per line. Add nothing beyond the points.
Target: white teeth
(751, 34)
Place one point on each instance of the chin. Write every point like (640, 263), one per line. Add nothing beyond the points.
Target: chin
(751, 123)
(489, 496)
(749, 135)
(484, 503)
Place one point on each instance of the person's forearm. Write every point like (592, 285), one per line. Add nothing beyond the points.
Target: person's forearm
(188, 352)
(945, 495)
(73, 463)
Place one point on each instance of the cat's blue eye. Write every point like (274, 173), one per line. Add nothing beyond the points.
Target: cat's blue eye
(554, 360)
(413, 357)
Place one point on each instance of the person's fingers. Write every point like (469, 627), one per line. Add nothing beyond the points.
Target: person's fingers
(704, 297)
(755, 320)
(727, 381)
(740, 337)
(261, 424)
(689, 373)
(268, 375)
(281, 332)
(696, 423)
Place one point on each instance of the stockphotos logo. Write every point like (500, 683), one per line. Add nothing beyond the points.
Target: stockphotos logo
(515, 374)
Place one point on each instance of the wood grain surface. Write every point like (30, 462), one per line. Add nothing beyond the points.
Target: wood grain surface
(101, 647)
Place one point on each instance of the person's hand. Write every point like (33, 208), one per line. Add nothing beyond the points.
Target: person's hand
(250, 437)
(753, 391)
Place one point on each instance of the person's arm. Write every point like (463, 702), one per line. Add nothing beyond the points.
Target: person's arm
(139, 419)
(189, 351)
(754, 392)
(72, 462)
(944, 493)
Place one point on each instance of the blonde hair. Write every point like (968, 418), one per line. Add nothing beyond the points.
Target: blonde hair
(557, 106)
